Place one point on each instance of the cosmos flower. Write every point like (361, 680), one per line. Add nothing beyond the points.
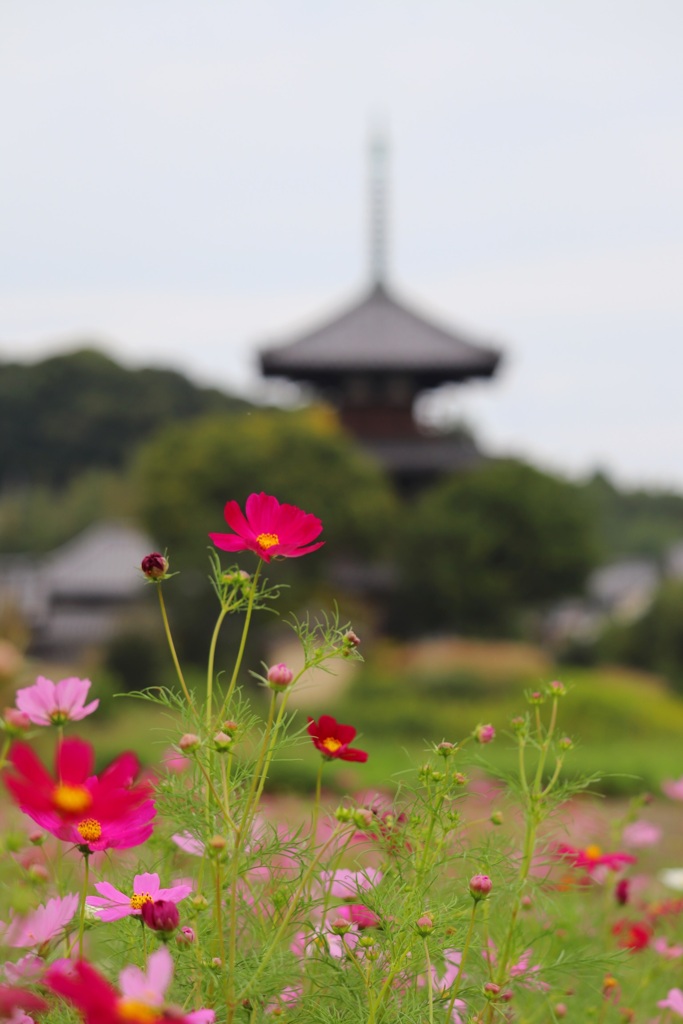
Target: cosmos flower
(48, 703)
(269, 529)
(93, 812)
(673, 788)
(14, 1000)
(332, 739)
(633, 935)
(673, 1001)
(442, 983)
(40, 925)
(113, 904)
(641, 833)
(141, 999)
(592, 857)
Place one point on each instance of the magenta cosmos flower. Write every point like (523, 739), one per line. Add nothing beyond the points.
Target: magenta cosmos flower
(94, 812)
(113, 904)
(141, 999)
(332, 739)
(592, 857)
(269, 529)
(48, 703)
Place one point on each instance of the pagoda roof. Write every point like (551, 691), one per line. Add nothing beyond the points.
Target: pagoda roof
(380, 335)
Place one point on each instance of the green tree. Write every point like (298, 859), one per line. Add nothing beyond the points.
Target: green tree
(481, 547)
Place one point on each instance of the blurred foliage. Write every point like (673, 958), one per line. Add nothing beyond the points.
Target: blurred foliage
(633, 523)
(483, 545)
(82, 410)
(654, 641)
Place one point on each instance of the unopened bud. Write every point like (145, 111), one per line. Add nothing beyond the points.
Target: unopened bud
(445, 749)
(36, 838)
(351, 639)
(424, 925)
(279, 676)
(185, 936)
(363, 818)
(16, 721)
(154, 566)
(217, 844)
(536, 697)
(518, 724)
(189, 742)
(339, 926)
(480, 886)
(199, 902)
(566, 743)
(160, 915)
(222, 742)
(230, 727)
(621, 892)
(345, 814)
(458, 779)
(560, 1009)
(491, 990)
(38, 873)
(496, 818)
(484, 733)
(557, 689)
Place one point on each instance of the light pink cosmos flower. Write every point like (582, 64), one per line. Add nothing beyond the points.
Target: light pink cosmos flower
(673, 1001)
(345, 884)
(28, 970)
(112, 904)
(188, 844)
(442, 983)
(673, 788)
(41, 925)
(662, 947)
(641, 833)
(148, 988)
(48, 703)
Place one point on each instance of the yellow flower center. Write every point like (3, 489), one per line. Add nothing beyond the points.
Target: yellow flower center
(71, 799)
(135, 1011)
(593, 852)
(267, 540)
(138, 900)
(331, 744)
(89, 829)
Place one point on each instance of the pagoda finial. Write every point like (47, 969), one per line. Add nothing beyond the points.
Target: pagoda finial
(379, 157)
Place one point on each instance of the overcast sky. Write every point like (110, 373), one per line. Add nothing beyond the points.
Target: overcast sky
(183, 181)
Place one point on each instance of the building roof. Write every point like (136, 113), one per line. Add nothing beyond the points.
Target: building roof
(381, 335)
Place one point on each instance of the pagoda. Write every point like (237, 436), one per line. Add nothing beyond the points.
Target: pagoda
(373, 359)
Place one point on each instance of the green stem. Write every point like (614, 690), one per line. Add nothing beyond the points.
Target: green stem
(81, 923)
(221, 938)
(243, 641)
(461, 969)
(430, 983)
(316, 805)
(284, 924)
(212, 658)
(5, 751)
(169, 638)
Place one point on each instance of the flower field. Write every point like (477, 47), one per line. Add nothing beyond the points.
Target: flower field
(470, 877)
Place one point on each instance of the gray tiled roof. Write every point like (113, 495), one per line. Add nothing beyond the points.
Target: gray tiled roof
(380, 334)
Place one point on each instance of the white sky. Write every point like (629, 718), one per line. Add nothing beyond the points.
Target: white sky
(184, 181)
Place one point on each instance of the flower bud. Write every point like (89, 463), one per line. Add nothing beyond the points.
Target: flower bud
(340, 926)
(351, 639)
(491, 990)
(222, 742)
(424, 925)
(230, 727)
(154, 566)
(496, 818)
(480, 887)
(189, 742)
(199, 902)
(185, 936)
(458, 779)
(560, 1010)
(36, 838)
(557, 689)
(566, 743)
(38, 873)
(344, 814)
(279, 676)
(445, 749)
(216, 844)
(484, 733)
(363, 818)
(160, 915)
(535, 697)
(621, 892)
(16, 721)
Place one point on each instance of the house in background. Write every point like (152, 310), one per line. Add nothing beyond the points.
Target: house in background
(77, 597)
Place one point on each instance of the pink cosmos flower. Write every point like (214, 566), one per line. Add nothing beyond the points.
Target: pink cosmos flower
(641, 833)
(28, 970)
(113, 904)
(95, 812)
(673, 1001)
(269, 529)
(48, 703)
(14, 1000)
(141, 997)
(662, 947)
(673, 788)
(41, 925)
(188, 844)
(358, 914)
(345, 884)
(442, 983)
(592, 857)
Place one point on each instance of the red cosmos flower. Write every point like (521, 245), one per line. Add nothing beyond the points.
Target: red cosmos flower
(332, 739)
(269, 529)
(94, 812)
(592, 857)
(633, 935)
